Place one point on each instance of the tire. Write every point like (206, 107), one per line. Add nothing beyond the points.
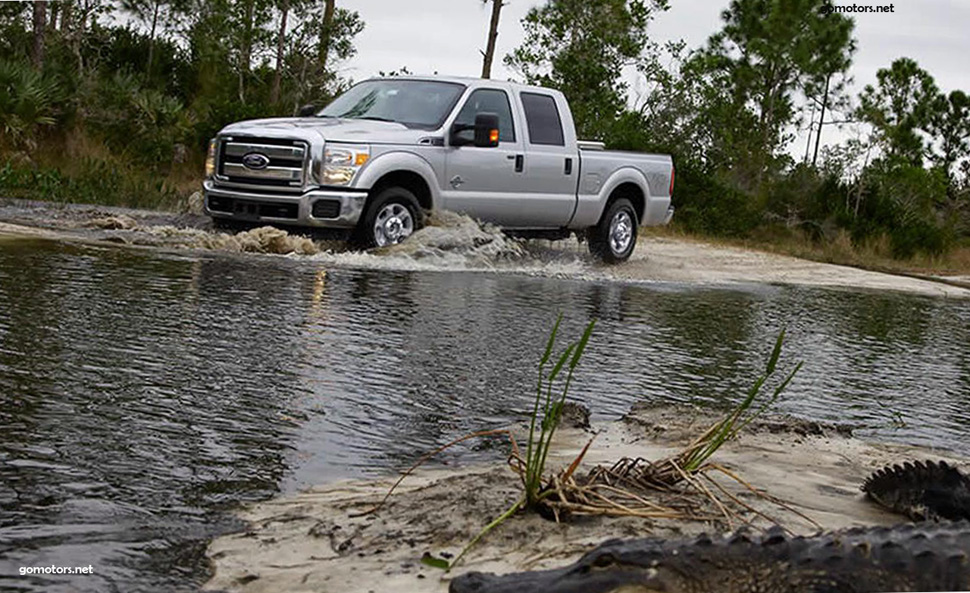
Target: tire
(615, 236)
(391, 217)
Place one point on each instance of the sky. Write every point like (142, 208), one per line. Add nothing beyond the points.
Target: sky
(447, 36)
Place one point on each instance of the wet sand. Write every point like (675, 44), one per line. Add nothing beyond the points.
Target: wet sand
(454, 243)
(311, 542)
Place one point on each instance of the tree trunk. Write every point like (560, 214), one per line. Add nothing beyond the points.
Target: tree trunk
(821, 119)
(246, 51)
(326, 31)
(66, 18)
(40, 22)
(67, 13)
(492, 36)
(151, 39)
(52, 17)
(274, 93)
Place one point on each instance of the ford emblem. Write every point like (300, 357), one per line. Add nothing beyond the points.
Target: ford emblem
(255, 161)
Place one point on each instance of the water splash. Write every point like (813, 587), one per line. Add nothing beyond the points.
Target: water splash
(457, 242)
(259, 240)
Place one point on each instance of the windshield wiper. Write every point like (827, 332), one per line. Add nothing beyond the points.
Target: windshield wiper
(375, 118)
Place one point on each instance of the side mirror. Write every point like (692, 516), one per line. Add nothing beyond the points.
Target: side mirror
(307, 111)
(485, 130)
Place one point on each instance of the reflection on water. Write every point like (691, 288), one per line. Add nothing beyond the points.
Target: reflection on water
(142, 395)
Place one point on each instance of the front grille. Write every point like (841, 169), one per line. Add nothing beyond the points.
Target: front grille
(252, 209)
(282, 167)
(326, 209)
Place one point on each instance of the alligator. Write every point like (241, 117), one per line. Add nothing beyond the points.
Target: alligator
(928, 556)
(921, 490)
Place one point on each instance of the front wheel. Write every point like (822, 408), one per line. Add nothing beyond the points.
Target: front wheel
(614, 237)
(390, 218)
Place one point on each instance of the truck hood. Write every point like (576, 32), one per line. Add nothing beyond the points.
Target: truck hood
(331, 129)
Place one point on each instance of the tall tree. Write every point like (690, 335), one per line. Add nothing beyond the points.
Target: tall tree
(581, 48)
(949, 126)
(772, 49)
(489, 53)
(314, 50)
(150, 13)
(249, 34)
(898, 107)
(274, 93)
(326, 32)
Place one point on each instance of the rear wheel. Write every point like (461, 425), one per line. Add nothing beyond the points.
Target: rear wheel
(392, 216)
(614, 237)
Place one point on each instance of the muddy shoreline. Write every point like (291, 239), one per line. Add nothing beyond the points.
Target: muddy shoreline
(455, 244)
(312, 542)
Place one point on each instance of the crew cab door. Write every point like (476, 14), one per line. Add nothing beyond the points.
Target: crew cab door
(483, 182)
(551, 163)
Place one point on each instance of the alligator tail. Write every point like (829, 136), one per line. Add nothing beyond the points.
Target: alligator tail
(921, 490)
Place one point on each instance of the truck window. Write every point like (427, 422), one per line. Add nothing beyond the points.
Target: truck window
(489, 101)
(421, 104)
(542, 117)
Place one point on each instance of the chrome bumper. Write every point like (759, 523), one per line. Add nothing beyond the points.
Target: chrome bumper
(298, 209)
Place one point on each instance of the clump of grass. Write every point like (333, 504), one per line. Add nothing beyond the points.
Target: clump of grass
(729, 426)
(538, 448)
(538, 445)
(532, 467)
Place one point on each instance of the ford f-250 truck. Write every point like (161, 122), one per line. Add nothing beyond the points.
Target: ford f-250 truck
(390, 150)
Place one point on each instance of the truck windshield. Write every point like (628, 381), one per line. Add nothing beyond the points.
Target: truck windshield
(420, 104)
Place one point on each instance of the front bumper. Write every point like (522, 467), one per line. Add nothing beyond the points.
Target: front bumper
(326, 208)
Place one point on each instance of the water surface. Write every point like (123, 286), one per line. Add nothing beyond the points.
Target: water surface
(143, 395)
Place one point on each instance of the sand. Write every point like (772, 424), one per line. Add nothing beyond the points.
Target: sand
(311, 541)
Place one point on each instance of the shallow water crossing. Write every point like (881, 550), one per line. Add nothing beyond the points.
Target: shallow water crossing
(143, 394)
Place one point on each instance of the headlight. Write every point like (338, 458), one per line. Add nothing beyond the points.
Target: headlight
(340, 163)
(210, 159)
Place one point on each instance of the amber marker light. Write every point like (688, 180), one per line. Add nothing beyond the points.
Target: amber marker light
(361, 158)
(493, 136)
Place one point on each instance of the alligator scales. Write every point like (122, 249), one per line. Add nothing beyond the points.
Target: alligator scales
(926, 556)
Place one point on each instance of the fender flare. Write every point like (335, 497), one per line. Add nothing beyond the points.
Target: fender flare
(618, 178)
(391, 162)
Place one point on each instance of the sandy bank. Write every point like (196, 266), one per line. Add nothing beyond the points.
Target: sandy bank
(310, 541)
(455, 243)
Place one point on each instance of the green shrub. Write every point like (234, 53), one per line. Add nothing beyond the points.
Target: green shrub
(29, 100)
(141, 122)
(91, 181)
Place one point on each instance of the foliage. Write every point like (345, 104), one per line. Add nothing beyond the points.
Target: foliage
(29, 100)
(767, 51)
(949, 124)
(143, 122)
(538, 448)
(581, 48)
(135, 103)
(88, 181)
(898, 108)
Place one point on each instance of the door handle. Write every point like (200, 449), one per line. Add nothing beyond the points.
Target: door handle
(519, 163)
(569, 166)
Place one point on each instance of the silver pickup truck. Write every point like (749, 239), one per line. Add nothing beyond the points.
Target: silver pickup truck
(390, 150)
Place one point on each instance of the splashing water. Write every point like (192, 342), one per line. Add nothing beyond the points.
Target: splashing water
(457, 242)
(259, 240)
